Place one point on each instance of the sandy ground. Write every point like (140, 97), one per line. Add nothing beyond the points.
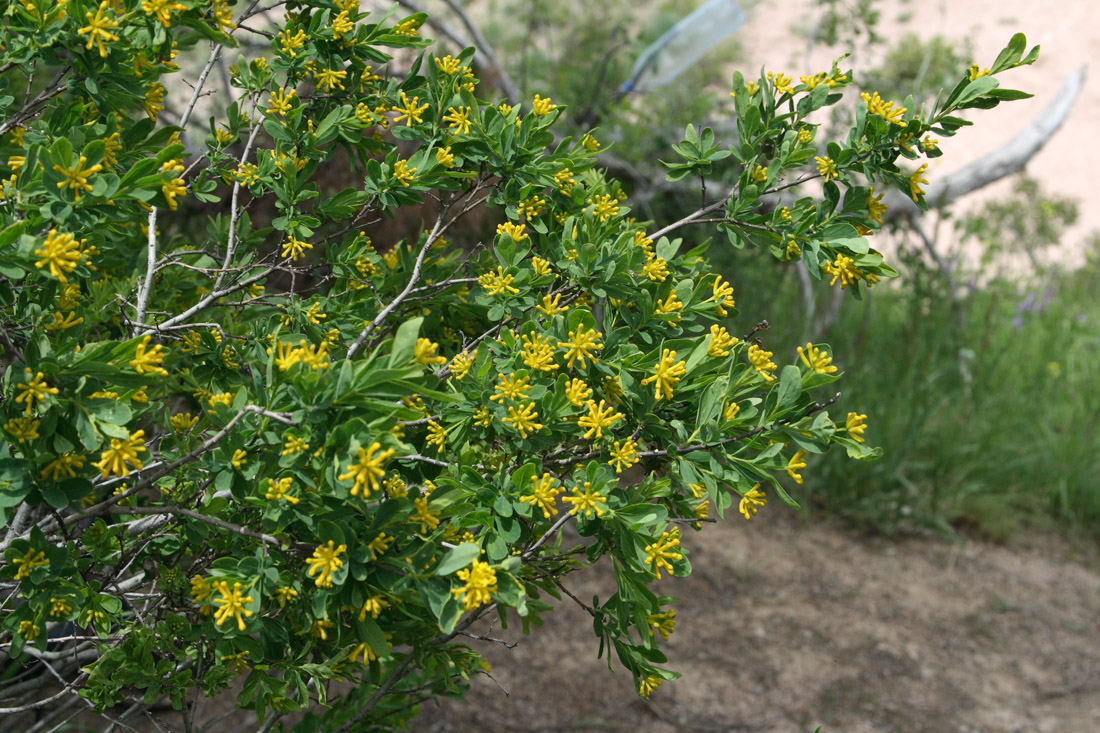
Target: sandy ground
(1069, 33)
(784, 627)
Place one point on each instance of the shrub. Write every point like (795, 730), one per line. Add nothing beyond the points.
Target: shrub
(252, 432)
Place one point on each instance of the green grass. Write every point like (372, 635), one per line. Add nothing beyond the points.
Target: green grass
(989, 415)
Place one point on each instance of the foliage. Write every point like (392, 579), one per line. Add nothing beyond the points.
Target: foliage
(269, 447)
(966, 379)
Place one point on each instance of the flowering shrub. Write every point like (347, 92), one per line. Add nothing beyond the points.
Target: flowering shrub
(249, 432)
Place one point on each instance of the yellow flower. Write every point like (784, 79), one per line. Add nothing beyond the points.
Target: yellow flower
(403, 173)
(543, 495)
(410, 28)
(281, 102)
(660, 552)
(805, 136)
(577, 392)
(61, 252)
(368, 470)
(149, 361)
(285, 595)
(875, 207)
(497, 283)
(448, 64)
(515, 231)
(916, 180)
(550, 305)
(428, 520)
(154, 100)
(437, 435)
(929, 143)
(816, 359)
(480, 582)
(624, 455)
(541, 267)
(482, 417)
(161, 9)
(876, 105)
(379, 545)
(542, 106)
(975, 73)
(760, 174)
(34, 391)
(670, 306)
(239, 459)
(374, 606)
(589, 143)
(655, 269)
(76, 177)
(98, 27)
(751, 501)
(782, 82)
(291, 43)
(294, 444)
(60, 607)
(223, 16)
(248, 174)
(172, 190)
(200, 589)
(461, 364)
(720, 342)
(580, 346)
(855, 426)
(458, 119)
(586, 501)
(729, 412)
(183, 421)
(524, 419)
(564, 180)
(33, 559)
(122, 455)
(666, 374)
(232, 604)
(425, 352)
(410, 110)
(649, 685)
(599, 416)
(222, 398)
(23, 429)
(761, 361)
(843, 269)
(69, 297)
(329, 79)
(797, 462)
(445, 157)
(295, 248)
(605, 207)
(723, 296)
(665, 623)
(280, 489)
(341, 25)
(826, 167)
(538, 354)
(325, 560)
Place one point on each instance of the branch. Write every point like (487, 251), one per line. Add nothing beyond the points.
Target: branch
(181, 512)
(414, 278)
(1010, 158)
(150, 267)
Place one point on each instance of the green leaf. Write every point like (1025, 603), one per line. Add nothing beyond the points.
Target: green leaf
(404, 343)
(790, 386)
(458, 558)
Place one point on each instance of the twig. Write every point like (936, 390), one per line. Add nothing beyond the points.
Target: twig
(150, 269)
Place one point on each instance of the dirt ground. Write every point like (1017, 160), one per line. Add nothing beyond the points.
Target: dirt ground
(784, 626)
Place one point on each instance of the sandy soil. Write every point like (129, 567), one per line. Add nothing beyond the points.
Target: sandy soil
(1069, 33)
(784, 627)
